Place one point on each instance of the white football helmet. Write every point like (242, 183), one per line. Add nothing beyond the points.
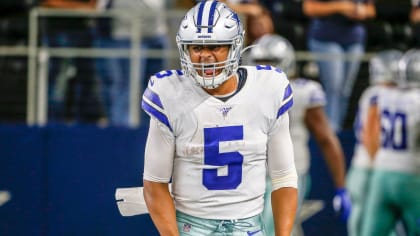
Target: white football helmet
(383, 67)
(210, 23)
(409, 69)
(274, 50)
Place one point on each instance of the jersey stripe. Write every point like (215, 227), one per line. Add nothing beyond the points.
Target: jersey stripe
(288, 101)
(153, 97)
(155, 113)
(287, 92)
(285, 107)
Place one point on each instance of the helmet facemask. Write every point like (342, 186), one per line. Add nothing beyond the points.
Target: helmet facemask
(220, 71)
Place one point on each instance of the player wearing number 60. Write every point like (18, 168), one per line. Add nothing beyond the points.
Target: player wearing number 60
(216, 128)
(392, 136)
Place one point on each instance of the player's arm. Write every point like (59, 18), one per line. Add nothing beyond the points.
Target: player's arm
(161, 207)
(371, 131)
(284, 204)
(158, 167)
(283, 175)
(317, 122)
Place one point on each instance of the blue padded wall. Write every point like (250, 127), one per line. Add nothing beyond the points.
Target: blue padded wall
(22, 173)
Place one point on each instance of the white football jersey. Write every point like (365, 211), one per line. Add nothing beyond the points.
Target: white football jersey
(219, 165)
(400, 130)
(306, 94)
(369, 96)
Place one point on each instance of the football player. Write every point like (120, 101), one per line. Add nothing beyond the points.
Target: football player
(216, 128)
(392, 137)
(306, 117)
(383, 72)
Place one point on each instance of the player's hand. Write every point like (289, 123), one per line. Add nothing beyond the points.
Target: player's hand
(342, 204)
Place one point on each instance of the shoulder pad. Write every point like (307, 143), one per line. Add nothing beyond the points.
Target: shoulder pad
(170, 94)
(272, 82)
(161, 87)
(164, 78)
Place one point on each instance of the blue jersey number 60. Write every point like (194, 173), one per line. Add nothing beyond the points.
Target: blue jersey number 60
(212, 156)
(395, 137)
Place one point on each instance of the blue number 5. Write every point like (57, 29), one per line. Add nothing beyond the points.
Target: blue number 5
(212, 156)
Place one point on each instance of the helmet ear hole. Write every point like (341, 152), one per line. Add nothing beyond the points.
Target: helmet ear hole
(210, 23)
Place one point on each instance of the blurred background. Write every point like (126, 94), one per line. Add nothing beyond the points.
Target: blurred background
(71, 128)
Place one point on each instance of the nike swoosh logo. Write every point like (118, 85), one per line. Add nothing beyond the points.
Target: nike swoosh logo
(250, 233)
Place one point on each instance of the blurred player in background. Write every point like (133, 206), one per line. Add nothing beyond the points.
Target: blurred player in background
(215, 131)
(306, 117)
(383, 72)
(392, 137)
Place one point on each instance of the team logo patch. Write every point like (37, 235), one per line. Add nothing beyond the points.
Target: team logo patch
(186, 228)
(225, 111)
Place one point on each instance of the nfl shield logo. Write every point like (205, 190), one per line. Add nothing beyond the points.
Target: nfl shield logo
(225, 111)
(186, 227)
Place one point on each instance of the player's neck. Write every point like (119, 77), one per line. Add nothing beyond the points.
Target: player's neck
(227, 88)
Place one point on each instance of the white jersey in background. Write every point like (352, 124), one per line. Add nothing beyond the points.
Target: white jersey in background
(400, 128)
(369, 96)
(307, 94)
(219, 165)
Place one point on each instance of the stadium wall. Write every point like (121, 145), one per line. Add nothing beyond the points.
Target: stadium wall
(62, 181)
